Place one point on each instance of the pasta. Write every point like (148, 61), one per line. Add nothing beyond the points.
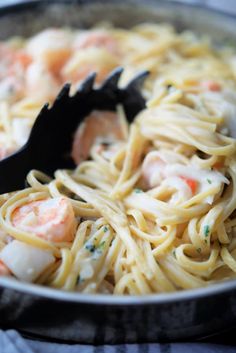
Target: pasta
(151, 206)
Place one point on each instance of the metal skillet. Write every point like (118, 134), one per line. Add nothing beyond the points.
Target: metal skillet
(59, 315)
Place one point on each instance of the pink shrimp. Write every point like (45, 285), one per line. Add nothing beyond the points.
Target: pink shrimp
(51, 47)
(153, 169)
(4, 271)
(98, 126)
(50, 219)
(97, 38)
(12, 68)
(40, 82)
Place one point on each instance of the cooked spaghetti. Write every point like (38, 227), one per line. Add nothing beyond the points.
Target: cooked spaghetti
(151, 205)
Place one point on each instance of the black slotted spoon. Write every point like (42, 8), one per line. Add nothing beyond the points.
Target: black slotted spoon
(49, 145)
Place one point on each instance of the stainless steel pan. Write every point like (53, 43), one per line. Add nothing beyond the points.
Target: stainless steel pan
(97, 319)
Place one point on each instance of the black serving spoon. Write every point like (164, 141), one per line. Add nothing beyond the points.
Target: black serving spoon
(49, 145)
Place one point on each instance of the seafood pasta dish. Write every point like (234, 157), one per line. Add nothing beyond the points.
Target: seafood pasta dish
(151, 205)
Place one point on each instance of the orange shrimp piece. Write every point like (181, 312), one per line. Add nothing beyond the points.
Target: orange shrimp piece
(50, 219)
(40, 82)
(153, 169)
(52, 47)
(97, 38)
(98, 126)
(4, 271)
(12, 68)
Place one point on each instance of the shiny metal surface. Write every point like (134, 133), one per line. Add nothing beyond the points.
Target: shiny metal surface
(97, 319)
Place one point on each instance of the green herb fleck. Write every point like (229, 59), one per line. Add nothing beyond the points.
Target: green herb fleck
(138, 191)
(90, 247)
(206, 230)
(101, 245)
(174, 253)
(105, 229)
(98, 251)
(199, 250)
(209, 181)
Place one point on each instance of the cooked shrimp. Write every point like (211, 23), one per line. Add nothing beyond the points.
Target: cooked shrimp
(40, 83)
(52, 47)
(25, 261)
(4, 271)
(98, 38)
(12, 68)
(188, 179)
(153, 169)
(51, 219)
(98, 127)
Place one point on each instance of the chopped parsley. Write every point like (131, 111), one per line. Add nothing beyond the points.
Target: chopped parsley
(138, 191)
(206, 230)
(95, 250)
(98, 251)
(105, 229)
(209, 181)
(174, 253)
(199, 250)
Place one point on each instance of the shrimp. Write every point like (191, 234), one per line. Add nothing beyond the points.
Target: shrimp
(4, 271)
(50, 219)
(40, 83)
(12, 68)
(25, 261)
(153, 169)
(98, 38)
(51, 47)
(98, 127)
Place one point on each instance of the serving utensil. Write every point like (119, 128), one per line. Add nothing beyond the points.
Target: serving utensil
(49, 145)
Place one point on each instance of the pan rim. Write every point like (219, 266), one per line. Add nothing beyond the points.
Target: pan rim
(117, 300)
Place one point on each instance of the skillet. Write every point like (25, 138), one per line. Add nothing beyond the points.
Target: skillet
(96, 319)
